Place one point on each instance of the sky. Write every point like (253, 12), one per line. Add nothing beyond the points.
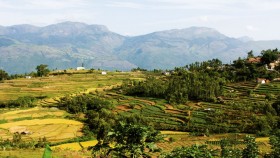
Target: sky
(258, 19)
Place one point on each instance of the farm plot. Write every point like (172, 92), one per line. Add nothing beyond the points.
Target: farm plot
(155, 112)
(75, 146)
(272, 88)
(32, 113)
(53, 129)
(60, 85)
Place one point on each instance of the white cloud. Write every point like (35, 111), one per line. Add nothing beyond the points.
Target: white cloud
(204, 18)
(252, 28)
(256, 18)
(120, 4)
(41, 4)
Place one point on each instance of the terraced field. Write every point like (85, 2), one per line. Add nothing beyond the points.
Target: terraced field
(155, 111)
(175, 120)
(57, 86)
(272, 88)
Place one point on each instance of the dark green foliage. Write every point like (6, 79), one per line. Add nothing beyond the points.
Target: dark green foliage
(274, 141)
(18, 143)
(151, 87)
(83, 103)
(138, 69)
(250, 54)
(276, 106)
(3, 75)
(269, 56)
(194, 86)
(179, 88)
(194, 151)
(251, 150)
(100, 122)
(42, 70)
(227, 151)
(22, 102)
(133, 140)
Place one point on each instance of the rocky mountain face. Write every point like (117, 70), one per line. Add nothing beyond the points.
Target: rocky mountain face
(71, 44)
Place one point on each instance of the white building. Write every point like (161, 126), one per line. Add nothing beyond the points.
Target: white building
(103, 73)
(80, 68)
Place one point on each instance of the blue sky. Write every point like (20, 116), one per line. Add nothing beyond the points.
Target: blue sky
(259, 19)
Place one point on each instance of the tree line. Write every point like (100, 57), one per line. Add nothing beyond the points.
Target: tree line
(180, 87)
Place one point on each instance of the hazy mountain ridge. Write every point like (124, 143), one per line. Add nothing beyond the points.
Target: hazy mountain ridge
(70, 44)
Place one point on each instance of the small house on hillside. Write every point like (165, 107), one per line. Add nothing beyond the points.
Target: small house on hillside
(28, 77)
(80, 68)
(103, 73)
(166, 73)
(262, 80)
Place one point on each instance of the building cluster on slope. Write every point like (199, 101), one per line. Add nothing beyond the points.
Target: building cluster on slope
(270, 66)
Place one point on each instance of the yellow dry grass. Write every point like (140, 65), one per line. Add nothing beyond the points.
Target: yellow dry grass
(39, 122)
(262, 139)
(58, 86)
(36, 112)
(174, 133)
(20, 111)
(58, 130)
(76, 146)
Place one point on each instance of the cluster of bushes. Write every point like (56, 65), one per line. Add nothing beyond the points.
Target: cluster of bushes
(83, 103)
(18, 143)
(178, 88)
(21, 102)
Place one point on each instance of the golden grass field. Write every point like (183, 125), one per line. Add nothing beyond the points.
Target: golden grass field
(75, 146)
(58, 86)
(37, 112)
(53, 129)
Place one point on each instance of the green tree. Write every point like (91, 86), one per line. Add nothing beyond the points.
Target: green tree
(42, 70)
(227, 151)
(269, 56)
(274, 141)
(133, 140)
(250, 54)
(276, 105)
(194, 151)
(239, 63)
(3, 75)
(251, 150)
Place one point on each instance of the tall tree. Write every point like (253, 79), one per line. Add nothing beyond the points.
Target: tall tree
(3, 75)
(250, 54)
(251, 150)
(42, 70)
(274, 141)
(269, 56)
(133, 140)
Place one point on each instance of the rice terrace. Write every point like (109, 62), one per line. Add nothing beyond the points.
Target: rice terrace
(87, 113)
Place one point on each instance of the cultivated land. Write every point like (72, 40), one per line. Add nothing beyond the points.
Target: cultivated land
(47, 121)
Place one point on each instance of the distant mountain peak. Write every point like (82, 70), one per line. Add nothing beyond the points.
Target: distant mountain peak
(68, 27)
(190, 33)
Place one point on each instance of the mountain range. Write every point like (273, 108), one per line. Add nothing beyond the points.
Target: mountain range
(72, 44)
